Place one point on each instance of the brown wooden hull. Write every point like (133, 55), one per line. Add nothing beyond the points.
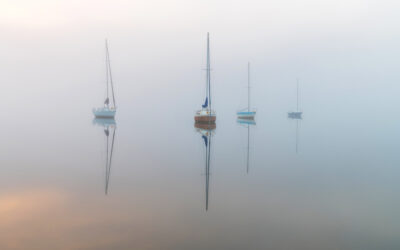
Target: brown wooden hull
(205, 119)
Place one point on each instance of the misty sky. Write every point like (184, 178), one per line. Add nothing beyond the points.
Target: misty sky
(344, 53)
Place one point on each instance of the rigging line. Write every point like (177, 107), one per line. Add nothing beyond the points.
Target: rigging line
(209, 70)
(297, 95)
(107, 77)
(248, 86)
(111, 80)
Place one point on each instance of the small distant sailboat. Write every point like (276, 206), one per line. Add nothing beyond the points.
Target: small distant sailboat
(247, 113)
(297, 114)
(206, 114)
(107, 111)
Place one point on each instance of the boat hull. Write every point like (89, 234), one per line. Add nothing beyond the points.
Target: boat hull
(205, 118)
(295, 115)
(246, 115)
(104, 113)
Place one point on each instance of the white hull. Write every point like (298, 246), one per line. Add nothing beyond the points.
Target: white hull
(246, 114)
(104, 113)
(205, 112)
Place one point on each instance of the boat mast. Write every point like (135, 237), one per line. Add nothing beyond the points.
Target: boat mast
(109, 69)
(107, 99)
(248, 86)
(297, 95)
(208, 71)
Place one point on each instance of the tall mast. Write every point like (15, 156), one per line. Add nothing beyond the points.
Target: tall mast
(208, 70)
(107, 73)
(297, 95)
(109, 69)
(248, 86)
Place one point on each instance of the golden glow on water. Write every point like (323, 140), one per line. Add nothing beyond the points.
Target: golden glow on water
(54, 219)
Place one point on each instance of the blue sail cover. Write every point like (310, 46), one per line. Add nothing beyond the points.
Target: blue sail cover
(205, 105)
(205, 140)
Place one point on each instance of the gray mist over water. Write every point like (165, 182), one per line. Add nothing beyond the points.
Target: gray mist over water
(338, 191)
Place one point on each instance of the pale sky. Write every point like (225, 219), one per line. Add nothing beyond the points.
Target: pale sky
(51, 48)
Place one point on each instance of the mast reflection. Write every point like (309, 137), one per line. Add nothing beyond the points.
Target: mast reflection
(109, 126)
(297, 131)
(247, 123)
(206, 130)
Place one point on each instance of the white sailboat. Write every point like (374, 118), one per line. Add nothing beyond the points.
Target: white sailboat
(296, 114)
(108, 111)
(247, 113)
(206, 114)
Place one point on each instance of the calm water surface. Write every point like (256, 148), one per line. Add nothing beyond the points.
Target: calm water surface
(329, 181)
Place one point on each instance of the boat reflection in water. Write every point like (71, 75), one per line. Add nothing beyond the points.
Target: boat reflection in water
(297, 135)
(206, 131)
(297, 132)
(247, 123)
(110, 127)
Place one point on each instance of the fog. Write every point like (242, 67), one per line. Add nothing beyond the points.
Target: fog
(328, 181)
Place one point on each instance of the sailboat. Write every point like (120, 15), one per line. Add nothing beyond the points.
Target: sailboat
(296, 114)
(108, 111)
(247, 123)
(247, 113)
(206, 135)
(206, 114)
(108, 124)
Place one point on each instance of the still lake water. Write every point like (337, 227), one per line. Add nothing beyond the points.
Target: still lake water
(338, 191)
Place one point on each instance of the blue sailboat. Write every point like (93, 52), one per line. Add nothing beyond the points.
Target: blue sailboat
(247, 113)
